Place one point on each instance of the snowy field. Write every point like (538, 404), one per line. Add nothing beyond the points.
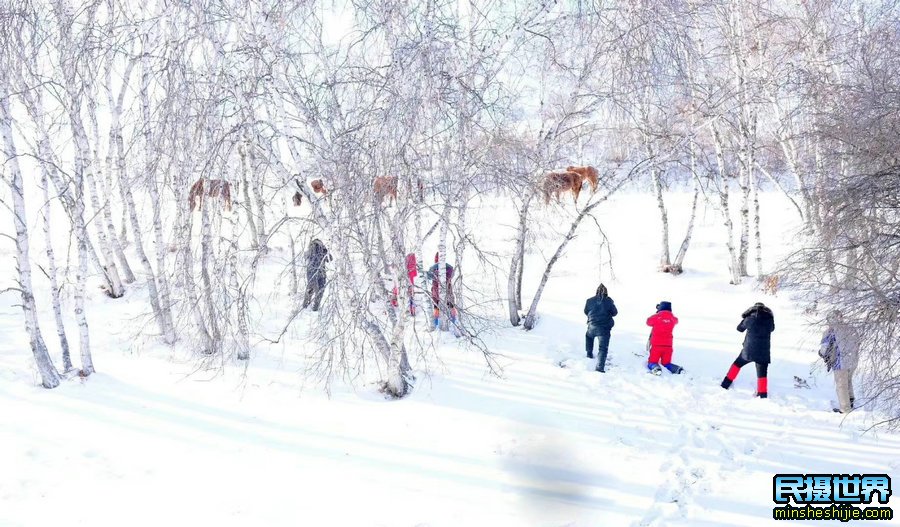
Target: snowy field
(152, 440)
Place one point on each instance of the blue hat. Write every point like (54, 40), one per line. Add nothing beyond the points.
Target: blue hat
(664, 306)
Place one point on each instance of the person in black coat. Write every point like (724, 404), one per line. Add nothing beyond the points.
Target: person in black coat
(316, 256)
(600, 310)
(759, 323)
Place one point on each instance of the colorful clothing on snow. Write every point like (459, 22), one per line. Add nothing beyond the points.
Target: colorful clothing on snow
(759, 323)
(433, 274)
(663, 324)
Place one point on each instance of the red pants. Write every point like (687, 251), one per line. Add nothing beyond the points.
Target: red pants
(660, 354)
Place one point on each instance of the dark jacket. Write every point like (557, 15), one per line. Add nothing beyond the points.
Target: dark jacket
(600, 311)
(316, 256)
(759, 323)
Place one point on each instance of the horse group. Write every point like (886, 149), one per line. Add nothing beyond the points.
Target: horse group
(555, 184)
(382, 187)
(572, 179)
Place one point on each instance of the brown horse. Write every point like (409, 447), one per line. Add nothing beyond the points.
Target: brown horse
(589, 173)
(218, 188)
(558, 182)
(385, 187)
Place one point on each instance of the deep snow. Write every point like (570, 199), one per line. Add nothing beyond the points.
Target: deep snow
(149, 440)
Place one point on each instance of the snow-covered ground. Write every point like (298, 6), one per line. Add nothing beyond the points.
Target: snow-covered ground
(149, 440)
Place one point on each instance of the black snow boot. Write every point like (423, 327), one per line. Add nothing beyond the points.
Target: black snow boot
(726, 383)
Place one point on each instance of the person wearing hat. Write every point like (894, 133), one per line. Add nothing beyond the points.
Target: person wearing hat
(600, 310)
(448, 306)
(663, 324)
(758, 322)
(316, 275)
(840, 350)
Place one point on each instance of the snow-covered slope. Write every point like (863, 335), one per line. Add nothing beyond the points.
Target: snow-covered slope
(148, 440)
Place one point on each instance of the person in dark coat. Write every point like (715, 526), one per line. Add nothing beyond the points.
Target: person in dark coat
(660, 344)
(759, 323)
(316, 256)
(433, 274)
(600, 310)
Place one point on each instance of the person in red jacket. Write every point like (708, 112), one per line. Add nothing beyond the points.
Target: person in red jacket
(663, 323)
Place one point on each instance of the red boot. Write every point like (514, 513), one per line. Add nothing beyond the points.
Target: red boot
(762, 387)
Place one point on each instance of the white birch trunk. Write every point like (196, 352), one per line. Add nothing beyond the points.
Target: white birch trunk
(256, 180)
(443, 283)
(84, 176)
(164, 331)
(34, 106)
(53, 272)
(104, 218)
(206, 261)
(664, 257)
(678, 264)
(756, 230)
(245, 188)
(49, 375)
(160, 248)
(724, 208)
(240, 303)
(81, 235)
(744, 247)
(514, 284)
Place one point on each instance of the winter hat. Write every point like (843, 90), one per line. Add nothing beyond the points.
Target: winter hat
(756, 308)
(664, 306)
(601, 291)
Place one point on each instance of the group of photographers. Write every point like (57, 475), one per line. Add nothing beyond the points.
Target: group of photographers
(839, 346)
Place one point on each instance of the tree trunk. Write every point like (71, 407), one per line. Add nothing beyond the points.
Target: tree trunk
(102, 209)
(206, 260)
(664, 257)
(54, 282)
(245, 188)
(85, 177)
(722, 184)
(744, 248)
(443, 283)
(49, 375)
(756, 231)
(514, 283)
(257, 183)
(678, 264)
(160, 248)
(243, 335)
(161, 321)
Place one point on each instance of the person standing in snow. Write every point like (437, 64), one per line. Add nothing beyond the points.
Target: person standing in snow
(663, 324)
(600, 310)
(433, 275)
(840, 350)
(316, 256)
(759, 323)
